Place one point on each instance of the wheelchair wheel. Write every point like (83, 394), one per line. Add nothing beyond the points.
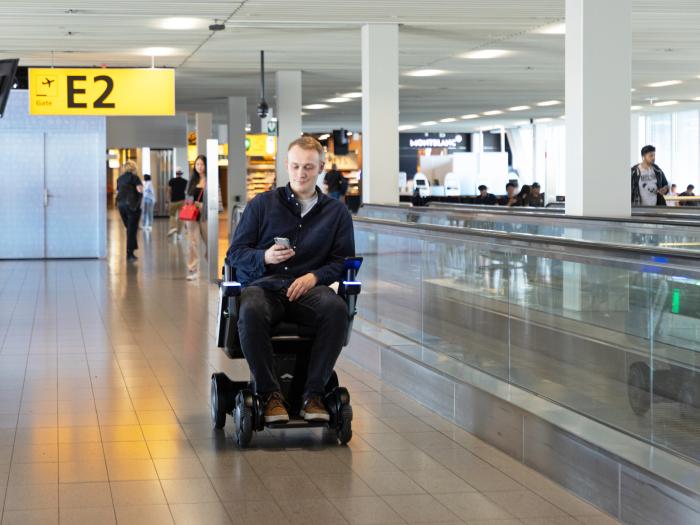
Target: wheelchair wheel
(344, 431)
(638, 388)
(243, 416)
(219, 399)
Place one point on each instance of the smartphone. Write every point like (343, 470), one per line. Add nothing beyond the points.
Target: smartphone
(283, 241)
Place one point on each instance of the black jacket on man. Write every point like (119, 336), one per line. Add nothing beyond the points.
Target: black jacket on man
(322, 239)
(661, 182)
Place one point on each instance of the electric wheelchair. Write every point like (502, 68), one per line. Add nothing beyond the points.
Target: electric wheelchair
(291, 343)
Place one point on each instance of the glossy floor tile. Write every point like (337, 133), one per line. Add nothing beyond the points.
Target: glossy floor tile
(104, 418)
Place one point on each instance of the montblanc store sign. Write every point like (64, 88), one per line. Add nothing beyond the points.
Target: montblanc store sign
(453, 141)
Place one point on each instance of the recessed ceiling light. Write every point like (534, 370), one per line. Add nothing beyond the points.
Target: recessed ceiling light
(325, 136)
(519, 108)
(563, 117)
(159, 51)
(543, 120)
(448, 119)
(428, 123)
(484, 54)
(635, 108)
(304, 113)
(354, 94)
(181, 23)
(665, 83)
(633, 90)
(521, 123)
(697, 98)
(552, 29)
(471, 116)
(425, 73)
(666, 103)
(336, 100)
(548, 103)
(317, 106)
(406, 127)
(493, 112)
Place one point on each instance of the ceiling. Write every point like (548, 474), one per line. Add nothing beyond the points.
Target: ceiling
(322, 39)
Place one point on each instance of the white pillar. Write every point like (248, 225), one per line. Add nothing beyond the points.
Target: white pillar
(380, 113)
(288, 117)
(212, 153)
(598, 80)
(203, 123)
(237, 161)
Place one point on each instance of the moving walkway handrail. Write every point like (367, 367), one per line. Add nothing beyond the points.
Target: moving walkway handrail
(640, 215)
(648, 251)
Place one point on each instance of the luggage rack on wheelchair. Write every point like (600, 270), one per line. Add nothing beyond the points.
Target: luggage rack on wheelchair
(290, 346)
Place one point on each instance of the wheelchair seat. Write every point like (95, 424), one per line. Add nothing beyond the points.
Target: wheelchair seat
(290, 342)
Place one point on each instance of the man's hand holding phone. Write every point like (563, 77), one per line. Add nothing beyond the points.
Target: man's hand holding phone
(279, 252)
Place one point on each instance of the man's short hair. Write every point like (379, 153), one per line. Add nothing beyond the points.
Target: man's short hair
(648, 149)
(482, 188)
(511, 185)
(690, 187)
(307, 143)
(535, 185)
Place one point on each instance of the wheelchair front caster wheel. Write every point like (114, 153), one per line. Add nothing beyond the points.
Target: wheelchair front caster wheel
(243, 417)
(344, 431)
(219, 399)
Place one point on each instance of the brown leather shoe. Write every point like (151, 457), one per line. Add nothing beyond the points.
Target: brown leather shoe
(275, 411)
(314, 409)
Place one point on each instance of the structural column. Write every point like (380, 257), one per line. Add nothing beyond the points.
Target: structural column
(380, 113)
(598, 81)
(288, 117)
(203, 123)
(237, 162)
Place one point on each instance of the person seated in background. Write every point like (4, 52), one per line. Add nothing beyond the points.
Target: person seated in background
(673, 192)
(511, 193)
(535, 199)
(689, 192)
(290, 245)
(523, 198)
(485, 198)
(649, 184)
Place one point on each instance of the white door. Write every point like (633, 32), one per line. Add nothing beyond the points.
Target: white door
(22, 209)
(72, 225)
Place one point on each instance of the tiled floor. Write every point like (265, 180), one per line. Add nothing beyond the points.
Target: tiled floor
(104, 390)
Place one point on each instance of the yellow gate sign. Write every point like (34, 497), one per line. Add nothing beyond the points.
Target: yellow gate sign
(101, 91)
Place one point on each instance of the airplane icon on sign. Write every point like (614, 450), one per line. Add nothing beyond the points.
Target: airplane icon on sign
(47, 86)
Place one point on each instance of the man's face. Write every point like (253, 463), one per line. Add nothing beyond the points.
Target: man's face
(535, 192)
(650, 158)
(304, 167)
(510, 190)
(484, 192)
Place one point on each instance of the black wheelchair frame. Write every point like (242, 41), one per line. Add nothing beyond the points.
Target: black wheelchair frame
(290, 344)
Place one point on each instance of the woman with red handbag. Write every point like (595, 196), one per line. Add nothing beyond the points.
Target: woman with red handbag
(192, 213)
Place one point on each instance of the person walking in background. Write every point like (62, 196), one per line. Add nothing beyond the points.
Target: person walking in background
(649, 184)
(195, 194)
(335, 184)
(129, 190)
(149, 202)
(177, 186)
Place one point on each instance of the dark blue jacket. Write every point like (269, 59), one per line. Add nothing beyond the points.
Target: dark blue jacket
(322, 239)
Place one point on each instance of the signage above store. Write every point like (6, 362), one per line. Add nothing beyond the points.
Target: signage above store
(448, 141)
(101, 91)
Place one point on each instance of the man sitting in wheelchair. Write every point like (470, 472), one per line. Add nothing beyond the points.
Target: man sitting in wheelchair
(289, 246)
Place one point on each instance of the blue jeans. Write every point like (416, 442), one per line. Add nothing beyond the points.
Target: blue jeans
(335, 195)
(148, 213)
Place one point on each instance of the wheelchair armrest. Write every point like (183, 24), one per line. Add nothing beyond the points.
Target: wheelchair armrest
(230, 288)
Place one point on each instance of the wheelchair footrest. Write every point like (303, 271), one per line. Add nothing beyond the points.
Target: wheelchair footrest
(298, 423)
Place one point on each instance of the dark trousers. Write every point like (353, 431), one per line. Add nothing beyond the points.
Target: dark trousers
(321, 309)
(130, 218)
